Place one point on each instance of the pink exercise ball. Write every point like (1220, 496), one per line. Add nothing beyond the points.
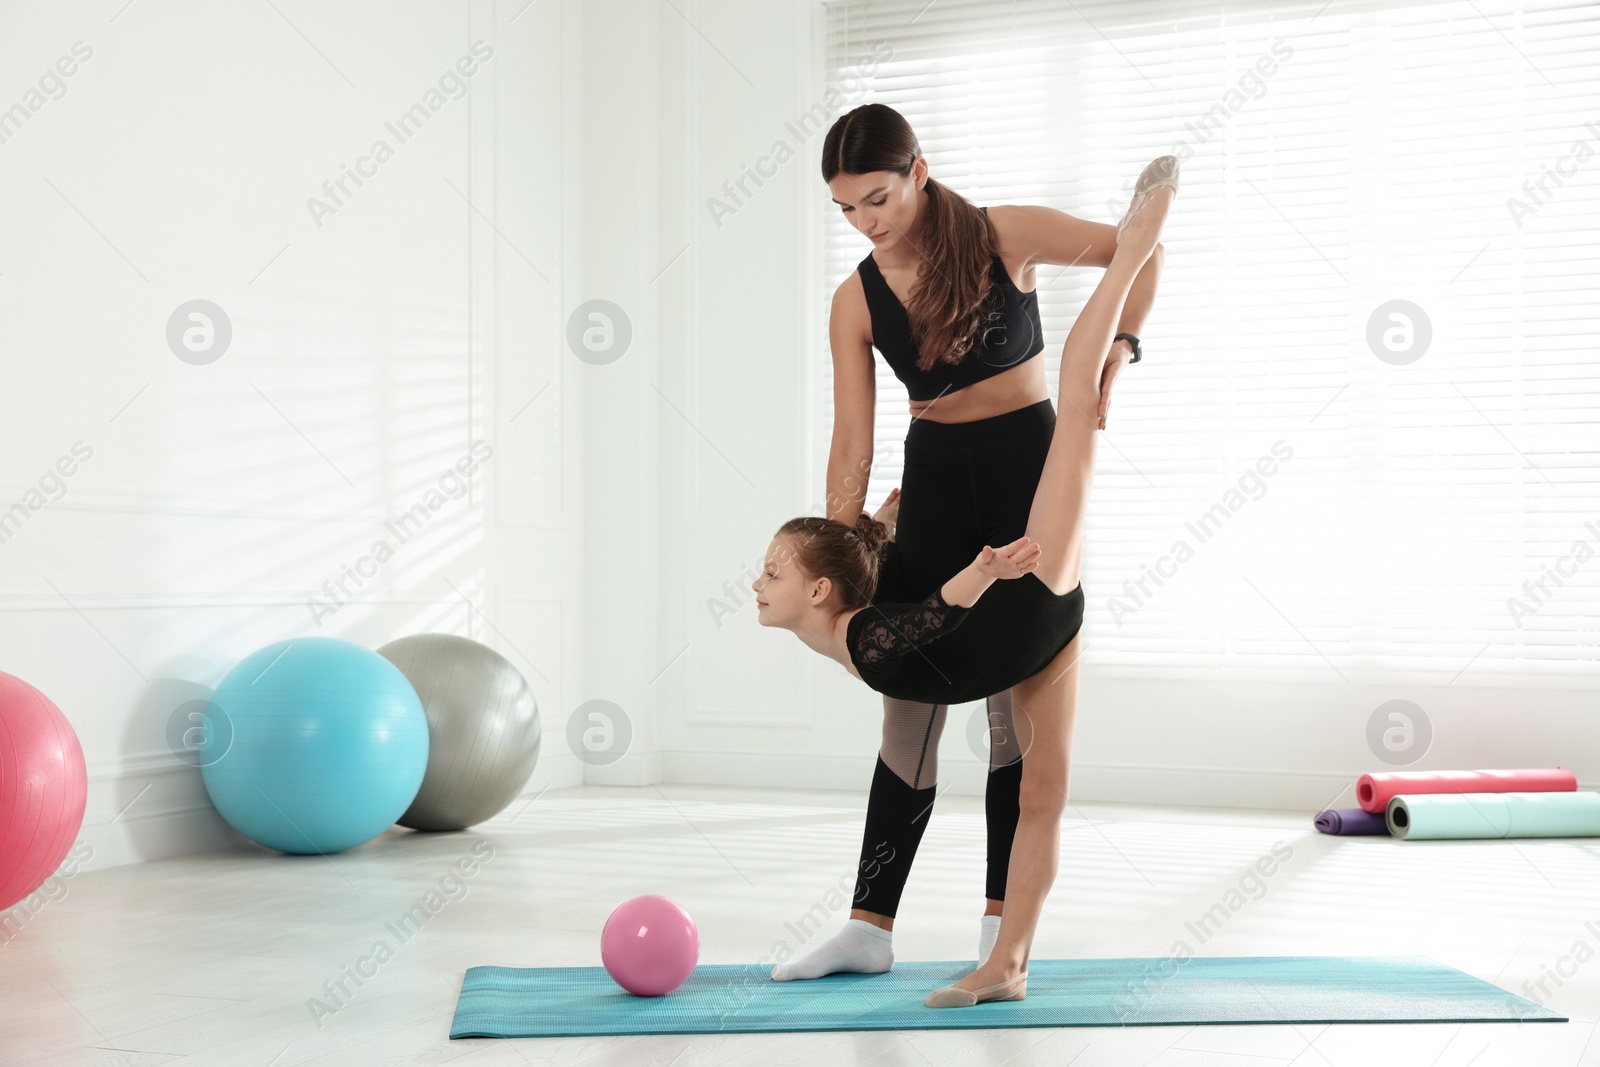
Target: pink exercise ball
(649, 945)
(43, 788)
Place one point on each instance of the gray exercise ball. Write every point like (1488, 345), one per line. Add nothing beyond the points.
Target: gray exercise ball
(483, 729)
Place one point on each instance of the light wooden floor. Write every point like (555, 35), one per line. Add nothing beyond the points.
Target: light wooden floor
(211, 959)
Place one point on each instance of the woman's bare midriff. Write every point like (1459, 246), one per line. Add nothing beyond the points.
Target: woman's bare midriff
(1009, 390)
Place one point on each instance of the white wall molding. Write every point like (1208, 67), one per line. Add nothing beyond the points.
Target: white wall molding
(151, 806)
(1116, 783)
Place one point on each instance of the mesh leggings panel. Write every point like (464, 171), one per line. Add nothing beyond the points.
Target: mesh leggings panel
(911, 732)
(904, 789)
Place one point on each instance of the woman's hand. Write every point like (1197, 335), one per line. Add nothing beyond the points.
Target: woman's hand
(1121, 352)
(890, 511)
(1008, 561)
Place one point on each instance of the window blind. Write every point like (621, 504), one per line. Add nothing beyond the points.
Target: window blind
(1362, 442)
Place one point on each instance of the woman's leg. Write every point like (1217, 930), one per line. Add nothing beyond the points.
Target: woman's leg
(937, 534)
(1001, 809)
(904, 786)
(1045, 706)
(1001, 789)
(899, 805)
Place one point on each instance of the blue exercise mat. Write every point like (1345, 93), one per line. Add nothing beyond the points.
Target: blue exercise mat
(743, 998)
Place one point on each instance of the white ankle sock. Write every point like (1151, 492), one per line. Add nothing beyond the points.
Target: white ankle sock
(988, 932)
(860, 948)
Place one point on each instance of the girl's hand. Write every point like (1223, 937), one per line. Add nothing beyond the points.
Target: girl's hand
(890, 511)
(1121, 352)
(1008, 561)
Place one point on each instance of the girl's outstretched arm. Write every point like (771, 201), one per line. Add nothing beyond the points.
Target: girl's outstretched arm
(1007, 561)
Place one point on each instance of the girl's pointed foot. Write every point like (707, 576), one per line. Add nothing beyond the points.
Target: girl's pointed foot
(953, 996)
(1160, 173)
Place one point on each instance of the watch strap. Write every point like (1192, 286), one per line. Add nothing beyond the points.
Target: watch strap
(1132, 340)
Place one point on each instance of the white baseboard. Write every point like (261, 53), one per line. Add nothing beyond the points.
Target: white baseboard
(1218, 787)
(637, 767)
(151, 807)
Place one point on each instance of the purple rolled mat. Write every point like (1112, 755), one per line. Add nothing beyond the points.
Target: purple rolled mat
(1350, 821)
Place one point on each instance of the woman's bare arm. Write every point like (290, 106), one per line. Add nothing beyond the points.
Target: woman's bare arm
(1046, 235)
(854, 394)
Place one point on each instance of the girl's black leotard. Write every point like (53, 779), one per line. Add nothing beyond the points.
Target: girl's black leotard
(938, 653)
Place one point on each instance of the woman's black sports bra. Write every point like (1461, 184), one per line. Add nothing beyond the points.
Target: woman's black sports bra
(1008, 335)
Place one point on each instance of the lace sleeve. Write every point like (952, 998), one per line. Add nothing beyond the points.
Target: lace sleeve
(894, 630)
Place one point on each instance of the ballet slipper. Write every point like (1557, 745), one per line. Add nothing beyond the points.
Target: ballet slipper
(1161, 171)
(953, 996)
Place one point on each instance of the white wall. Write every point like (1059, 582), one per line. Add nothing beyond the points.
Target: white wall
(369, 353)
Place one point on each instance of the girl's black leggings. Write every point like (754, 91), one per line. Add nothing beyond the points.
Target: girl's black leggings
(966, 485)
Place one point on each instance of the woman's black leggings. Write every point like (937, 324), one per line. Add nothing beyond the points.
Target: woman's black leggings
(966, 485)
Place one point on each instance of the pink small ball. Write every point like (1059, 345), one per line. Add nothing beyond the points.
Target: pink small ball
(649, 945)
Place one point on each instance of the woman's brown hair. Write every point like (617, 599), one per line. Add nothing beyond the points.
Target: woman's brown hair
(849, 555)
(958, 245)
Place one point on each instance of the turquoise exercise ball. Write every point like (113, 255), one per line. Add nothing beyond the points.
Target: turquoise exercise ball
(313, 745)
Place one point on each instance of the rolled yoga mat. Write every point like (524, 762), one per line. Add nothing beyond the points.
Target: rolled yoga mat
(742, 998)
(1374, 790)
(1350, 822)
(1462, 815)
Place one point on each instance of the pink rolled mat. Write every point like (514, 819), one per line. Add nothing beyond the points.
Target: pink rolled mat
(1374, 790)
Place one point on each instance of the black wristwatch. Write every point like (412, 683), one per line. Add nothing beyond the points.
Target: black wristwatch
(1131, 339)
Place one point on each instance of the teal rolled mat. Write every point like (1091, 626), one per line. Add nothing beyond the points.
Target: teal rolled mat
(742, 998)
(1440, 816)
